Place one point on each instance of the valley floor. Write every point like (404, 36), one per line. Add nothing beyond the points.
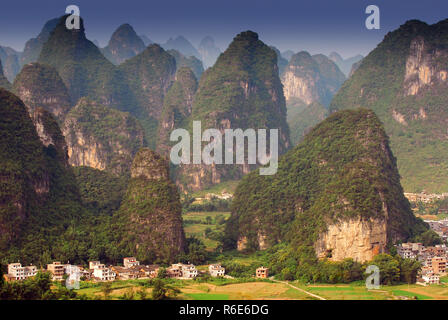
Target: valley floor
(267, 290)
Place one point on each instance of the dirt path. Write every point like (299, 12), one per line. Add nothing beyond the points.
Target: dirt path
(301, 290)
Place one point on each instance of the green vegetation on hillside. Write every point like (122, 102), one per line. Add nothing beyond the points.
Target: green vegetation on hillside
(40, 85)
(419, 141)
(149, 74)
(300, 120)
(148, 224)
(343, 169)
(84, 70)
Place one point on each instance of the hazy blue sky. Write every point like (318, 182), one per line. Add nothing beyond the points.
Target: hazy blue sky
(317, 26)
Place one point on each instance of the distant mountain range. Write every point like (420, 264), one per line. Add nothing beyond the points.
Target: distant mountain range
(345, 65)
(84, 134)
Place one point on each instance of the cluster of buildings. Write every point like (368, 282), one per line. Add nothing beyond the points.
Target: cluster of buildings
(424, 197)
(224, 196)
(17, 272)
(97, 271)
(440, 227)
(433, 260)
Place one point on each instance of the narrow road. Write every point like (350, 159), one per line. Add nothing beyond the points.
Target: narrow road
(301, 290)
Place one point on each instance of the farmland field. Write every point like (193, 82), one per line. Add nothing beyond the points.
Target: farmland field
(197, 226)
(266, 290)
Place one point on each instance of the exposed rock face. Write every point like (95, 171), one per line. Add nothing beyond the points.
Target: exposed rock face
(101, 137)
(311, 79)
(176, 108)
(39, 85)
(191, 62)
(345, 65)
(422, 67)
(124, 44)
(49, 133)
(338, 192)
(309, 83)
(355, 238)
(4, 83)
(209, 51)
(34, 46)
(242, 90)
(151, 211)
(182, 45)
(404, 80)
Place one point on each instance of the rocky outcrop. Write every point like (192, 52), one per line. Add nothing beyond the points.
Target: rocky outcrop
(150, 214)
(356, 238)
(337, 194)
(39, 85)
(101, 137)
(422, 68)
(404, 80)
(242, 90)
(124, 44)
(49, 133)
(311, 79)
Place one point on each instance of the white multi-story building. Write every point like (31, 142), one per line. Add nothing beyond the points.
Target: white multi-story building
(92, 264)
(189, 271)
(17, 272)
(130, 262)
(431, 278)
(216, 270)
(180, 270)
(103, 273)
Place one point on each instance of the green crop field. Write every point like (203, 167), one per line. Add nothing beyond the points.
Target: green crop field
(229, 289)
(195, 225)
